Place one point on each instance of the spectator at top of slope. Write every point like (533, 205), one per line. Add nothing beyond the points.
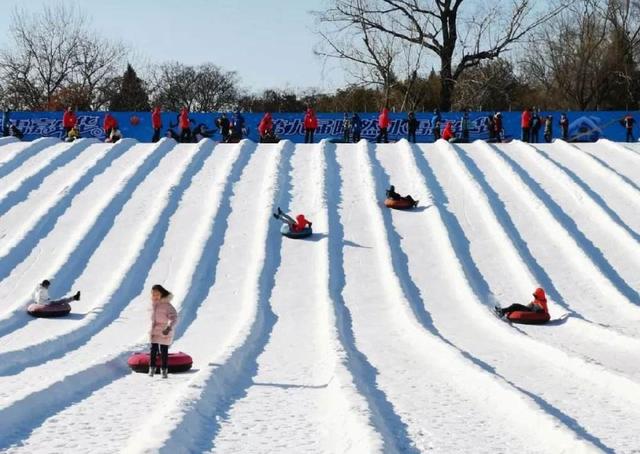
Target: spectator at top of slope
(447, 133)
(224, 125)
(69, 120)
(266, 126)
(628, 121)
(310, 125)
(383, 124)
(156, 123)
(525, 124)
(110, 123)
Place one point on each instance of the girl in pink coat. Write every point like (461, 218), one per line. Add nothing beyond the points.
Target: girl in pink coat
(163, 320)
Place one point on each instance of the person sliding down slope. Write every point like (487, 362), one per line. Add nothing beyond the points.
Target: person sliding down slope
(539, 304)
(392, 194)
(163, 319)
(296, 226)
(41, 295)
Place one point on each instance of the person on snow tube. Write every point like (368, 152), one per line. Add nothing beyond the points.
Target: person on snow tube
(393, 195)
(538, 305)
(41, 296)
(297, 225)
(163, 319)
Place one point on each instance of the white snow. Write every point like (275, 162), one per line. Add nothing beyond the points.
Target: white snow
(373, 335)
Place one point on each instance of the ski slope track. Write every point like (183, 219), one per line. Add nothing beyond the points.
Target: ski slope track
(375, 335)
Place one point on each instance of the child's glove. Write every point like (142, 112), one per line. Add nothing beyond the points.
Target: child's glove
(166, 331)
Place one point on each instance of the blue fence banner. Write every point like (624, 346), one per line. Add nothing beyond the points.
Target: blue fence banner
(584, 126)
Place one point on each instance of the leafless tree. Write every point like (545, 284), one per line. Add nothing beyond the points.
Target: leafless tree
(460, 37)
(53, 57)
(200, 88)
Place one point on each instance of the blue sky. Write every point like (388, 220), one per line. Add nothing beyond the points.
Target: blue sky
(268, 42)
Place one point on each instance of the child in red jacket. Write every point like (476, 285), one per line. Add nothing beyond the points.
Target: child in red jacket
(298, 225)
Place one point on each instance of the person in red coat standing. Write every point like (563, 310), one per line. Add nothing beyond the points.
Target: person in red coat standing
(265, 128)
(69, 120)
(156, 123)
(525, 123)
(185, 125)
(383, 124)
(110, 123)
(310, 125)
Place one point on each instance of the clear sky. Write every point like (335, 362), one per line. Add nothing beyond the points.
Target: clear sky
(268, 42)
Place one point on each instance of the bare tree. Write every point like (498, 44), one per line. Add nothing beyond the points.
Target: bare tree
(460, 42)
(200, 88)
(54, 58)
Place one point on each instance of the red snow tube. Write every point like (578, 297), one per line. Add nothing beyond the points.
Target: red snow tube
(49, 310)
(178, 362)
(398, 204)
(529, 318)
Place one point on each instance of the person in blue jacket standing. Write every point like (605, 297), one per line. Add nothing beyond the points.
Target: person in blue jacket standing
(5, 123)
(356, 127)
(436, 121)
(237, 127)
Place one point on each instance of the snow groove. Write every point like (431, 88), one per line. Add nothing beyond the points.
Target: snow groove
(594, 254)
(152, 234)
(60, 154)
(193, 418)
(77, 235)
(383, 416)
(23, 152)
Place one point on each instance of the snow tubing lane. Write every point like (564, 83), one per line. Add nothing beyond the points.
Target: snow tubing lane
(399, 204)
(48, 310)
(178, 362)
(529, 318)
(304, 233)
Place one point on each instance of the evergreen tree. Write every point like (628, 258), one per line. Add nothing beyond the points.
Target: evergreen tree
(132, 95)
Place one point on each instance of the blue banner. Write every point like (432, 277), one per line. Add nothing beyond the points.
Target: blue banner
(584, 126)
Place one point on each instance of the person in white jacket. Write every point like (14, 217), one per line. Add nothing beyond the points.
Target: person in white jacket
(41, 295)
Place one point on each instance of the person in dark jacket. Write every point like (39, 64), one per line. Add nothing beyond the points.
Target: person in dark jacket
(393, 195)
(356, 127)
(156, 124)
(346, 129)
(436, 124)
(628, 121)
(491, 128)
(238, 129)
(564, 126)
(412, 127)
(310, 125)
(536, 123)
(465, 123)
(15, 132)
(224, 125)
(6, 116)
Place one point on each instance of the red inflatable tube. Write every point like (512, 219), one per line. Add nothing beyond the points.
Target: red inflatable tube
(48, 310)
(178, 362)
(399, 204)
(529, 318)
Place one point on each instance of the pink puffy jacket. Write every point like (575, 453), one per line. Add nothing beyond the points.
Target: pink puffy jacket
(163, 314)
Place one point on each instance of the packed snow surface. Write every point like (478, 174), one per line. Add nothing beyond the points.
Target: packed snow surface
(374, 335)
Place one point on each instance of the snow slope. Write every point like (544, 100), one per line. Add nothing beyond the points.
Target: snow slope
(374, 335)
